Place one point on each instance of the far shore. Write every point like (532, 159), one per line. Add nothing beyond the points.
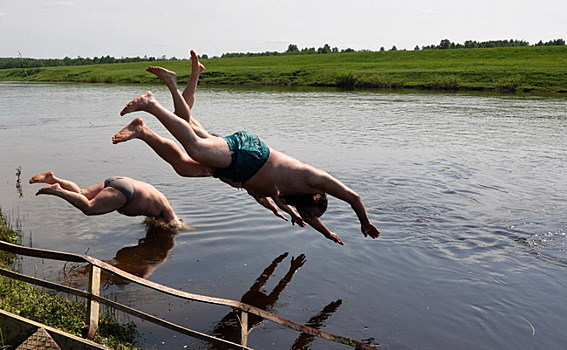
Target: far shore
(515, 69)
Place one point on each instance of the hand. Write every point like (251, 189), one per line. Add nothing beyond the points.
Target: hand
(333, 237)
(280, 258)
(298, 220)
(280, 215)
(370, 230)
(298, 262)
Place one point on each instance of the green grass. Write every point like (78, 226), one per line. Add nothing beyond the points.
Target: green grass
(539, 68)
(51, 309)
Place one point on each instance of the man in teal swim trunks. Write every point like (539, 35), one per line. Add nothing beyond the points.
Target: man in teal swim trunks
(241, 160)
(249, 154)
(123, 194)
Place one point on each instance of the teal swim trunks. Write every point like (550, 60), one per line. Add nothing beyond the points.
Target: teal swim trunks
(249, 155)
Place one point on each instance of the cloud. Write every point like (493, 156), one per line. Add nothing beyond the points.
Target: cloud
(430, 11)
(279, 41)
(60, 4)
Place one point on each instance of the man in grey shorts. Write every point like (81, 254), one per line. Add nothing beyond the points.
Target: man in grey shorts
(123, 194)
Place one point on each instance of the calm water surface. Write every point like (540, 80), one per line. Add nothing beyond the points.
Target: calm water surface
(467, 190)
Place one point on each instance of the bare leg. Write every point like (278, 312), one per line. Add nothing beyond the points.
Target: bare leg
(196, 69)
(189, 92)
(212, 151)
(165, 148)
(104, 202)
(182, 109)
(50, 178)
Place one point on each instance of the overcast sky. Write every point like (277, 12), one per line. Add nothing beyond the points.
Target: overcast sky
(129, 28)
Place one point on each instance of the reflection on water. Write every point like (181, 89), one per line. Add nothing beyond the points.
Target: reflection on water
(19, 181)
(140, 260)
(229, 329)
(318, 321)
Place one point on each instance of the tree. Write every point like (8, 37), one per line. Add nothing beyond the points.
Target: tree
(445, 44)
(325, 49)
(469, 44)
(292, 48)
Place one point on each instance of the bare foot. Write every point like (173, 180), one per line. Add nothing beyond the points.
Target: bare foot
(139, 103)
(43, 178)
(51, 189)
(196, 66)
(130, 131)
(167, 76)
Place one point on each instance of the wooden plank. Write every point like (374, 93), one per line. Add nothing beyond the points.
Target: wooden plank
(244, 328)
(40, 253)
(170, 325)
(93, 307)
(43, 283)
(15, 329)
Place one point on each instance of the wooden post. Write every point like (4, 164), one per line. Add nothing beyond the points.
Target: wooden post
(93, 306)
(243, 328)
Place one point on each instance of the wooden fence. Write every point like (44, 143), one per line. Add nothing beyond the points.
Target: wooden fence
(94, 299)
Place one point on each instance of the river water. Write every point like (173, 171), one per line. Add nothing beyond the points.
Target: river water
(468, 191)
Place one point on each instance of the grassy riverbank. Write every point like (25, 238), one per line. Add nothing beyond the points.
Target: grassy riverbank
(53, 310)
(531, 68)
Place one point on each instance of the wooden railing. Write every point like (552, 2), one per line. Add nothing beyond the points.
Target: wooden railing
(94, 299)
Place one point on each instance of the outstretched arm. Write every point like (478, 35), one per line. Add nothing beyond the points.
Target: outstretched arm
(318, 224)
(267, 203)
(328, 184)
(295, 218)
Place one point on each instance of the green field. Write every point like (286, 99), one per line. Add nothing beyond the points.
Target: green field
(529, 68)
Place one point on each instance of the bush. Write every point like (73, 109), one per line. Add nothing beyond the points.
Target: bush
(444, 82)
(381, 82)
(347, 81)
(509, 83)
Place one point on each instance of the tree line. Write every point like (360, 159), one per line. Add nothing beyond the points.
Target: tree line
(22, 62)
(446, 44)
(292, 49)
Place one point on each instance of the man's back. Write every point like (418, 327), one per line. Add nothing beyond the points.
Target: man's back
(148, 201)
(282, 175)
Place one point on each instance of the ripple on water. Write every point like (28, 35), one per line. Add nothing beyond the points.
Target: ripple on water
(550, 246)
(459, 185)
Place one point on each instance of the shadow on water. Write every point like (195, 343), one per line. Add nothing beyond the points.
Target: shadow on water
(141, 260)
(229, 329)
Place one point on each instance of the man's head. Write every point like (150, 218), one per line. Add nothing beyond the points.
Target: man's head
(308, 205)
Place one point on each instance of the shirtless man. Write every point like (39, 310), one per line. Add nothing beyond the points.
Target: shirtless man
(123, 194)
(242, 161)
(176, 157)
